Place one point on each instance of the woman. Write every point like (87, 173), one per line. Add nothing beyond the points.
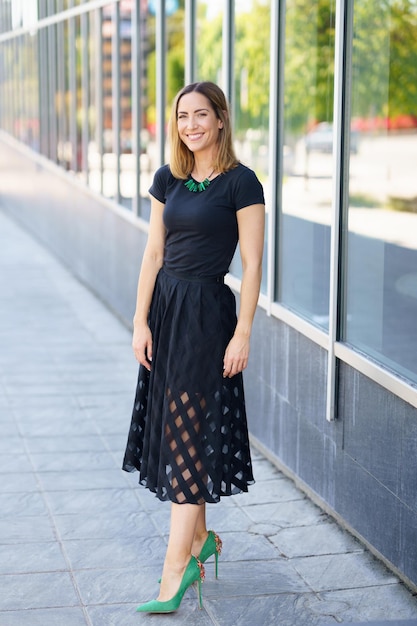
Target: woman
(188, 437)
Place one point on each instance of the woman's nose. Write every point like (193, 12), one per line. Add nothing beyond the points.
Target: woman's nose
(192, 122)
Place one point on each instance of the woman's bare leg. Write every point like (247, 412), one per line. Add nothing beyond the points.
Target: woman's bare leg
(201, 532)
(184, 520)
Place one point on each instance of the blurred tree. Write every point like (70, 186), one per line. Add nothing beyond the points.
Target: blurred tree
(309, 63)
(252, 66)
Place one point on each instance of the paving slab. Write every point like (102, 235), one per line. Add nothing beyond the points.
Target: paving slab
(396, 622)
(81, 544)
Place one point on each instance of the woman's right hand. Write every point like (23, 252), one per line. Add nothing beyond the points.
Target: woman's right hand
(142, 345)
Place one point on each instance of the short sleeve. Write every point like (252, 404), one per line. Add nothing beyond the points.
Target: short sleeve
(160, 182)
(248, 190)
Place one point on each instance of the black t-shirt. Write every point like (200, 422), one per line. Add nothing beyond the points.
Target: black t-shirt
(201, 227)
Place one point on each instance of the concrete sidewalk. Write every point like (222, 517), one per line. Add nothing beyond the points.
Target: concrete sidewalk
(81, 544)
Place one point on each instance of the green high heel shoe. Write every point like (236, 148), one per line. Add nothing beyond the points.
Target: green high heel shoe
(193, 572)
(212, 545)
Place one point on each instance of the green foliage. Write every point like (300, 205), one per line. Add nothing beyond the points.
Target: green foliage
(209, 46)
(175, 54)
(252, 66)
(309, 63)
(385, 58)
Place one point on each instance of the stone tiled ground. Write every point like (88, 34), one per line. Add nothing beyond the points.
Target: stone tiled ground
(81, 544)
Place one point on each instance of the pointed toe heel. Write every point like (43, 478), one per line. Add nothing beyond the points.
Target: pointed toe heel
(193, 572)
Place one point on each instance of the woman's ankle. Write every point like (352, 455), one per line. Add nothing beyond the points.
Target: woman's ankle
(199, 541)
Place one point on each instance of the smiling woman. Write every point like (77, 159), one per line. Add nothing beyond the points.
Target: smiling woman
(189, 436)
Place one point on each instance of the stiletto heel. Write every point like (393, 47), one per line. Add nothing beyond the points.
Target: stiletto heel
(212, 545)
(193, 572)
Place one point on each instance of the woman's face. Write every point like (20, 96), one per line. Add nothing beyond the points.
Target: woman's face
(198, 126)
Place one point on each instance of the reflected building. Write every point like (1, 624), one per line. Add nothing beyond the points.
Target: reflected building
(324, 109)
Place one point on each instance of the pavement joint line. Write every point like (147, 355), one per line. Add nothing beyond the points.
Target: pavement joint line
(101, 583)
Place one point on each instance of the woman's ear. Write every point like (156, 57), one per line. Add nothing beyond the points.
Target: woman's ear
(221, 124)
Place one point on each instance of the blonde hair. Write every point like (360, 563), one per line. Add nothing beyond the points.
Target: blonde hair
(182, 159)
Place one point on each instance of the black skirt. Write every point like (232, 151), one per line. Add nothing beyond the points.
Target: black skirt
(188, 437)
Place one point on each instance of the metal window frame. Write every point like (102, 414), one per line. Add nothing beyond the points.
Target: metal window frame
(190, 41)
(228, 56)
(337, 206)
(61, 121)
(276, 132)
(136, 103)
(98, 13)
(161, 46)
(52, 86)
(116, 105)
(45, 20)
(72, 84)
(85, 95)
(43, 86)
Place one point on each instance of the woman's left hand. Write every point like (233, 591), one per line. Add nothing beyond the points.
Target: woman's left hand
(236, 355)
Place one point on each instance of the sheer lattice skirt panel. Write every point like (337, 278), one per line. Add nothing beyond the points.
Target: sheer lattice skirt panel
(188, 436)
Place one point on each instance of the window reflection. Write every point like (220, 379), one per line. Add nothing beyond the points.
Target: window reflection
(148, 151)
(381, 289)
(209, 40)
(251, 99)
(307, 159)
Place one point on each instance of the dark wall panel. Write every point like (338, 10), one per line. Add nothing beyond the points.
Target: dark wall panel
(101, 245)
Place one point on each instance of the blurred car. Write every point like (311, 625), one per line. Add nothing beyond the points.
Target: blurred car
(320, 139)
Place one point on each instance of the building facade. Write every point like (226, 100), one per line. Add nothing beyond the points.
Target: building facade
(324, 102)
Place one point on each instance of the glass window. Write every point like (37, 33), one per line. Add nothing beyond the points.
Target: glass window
(148, 149)
(251, 98)
(109, 100)
(304, 233)
(127, 162)
(209, 40)
(61, 94)
(175, 52)
(32, 91)
(5, 16)
(381, 273)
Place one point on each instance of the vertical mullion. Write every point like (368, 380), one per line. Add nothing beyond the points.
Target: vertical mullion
(51, 59)
(3, 82)
(275, 142)
(60, 53)
(18, 84)
(44, 92)
(115, 50)
(342, 36)
(85, 98)
(136, 102)
(19, 62)
(160, 79)
(228, 52)
(99, 90)
(190, 41)
(12, 93)
(43, 84)
(72, 89)
(280, 83)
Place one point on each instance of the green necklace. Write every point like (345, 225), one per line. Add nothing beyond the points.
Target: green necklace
(193, 186)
